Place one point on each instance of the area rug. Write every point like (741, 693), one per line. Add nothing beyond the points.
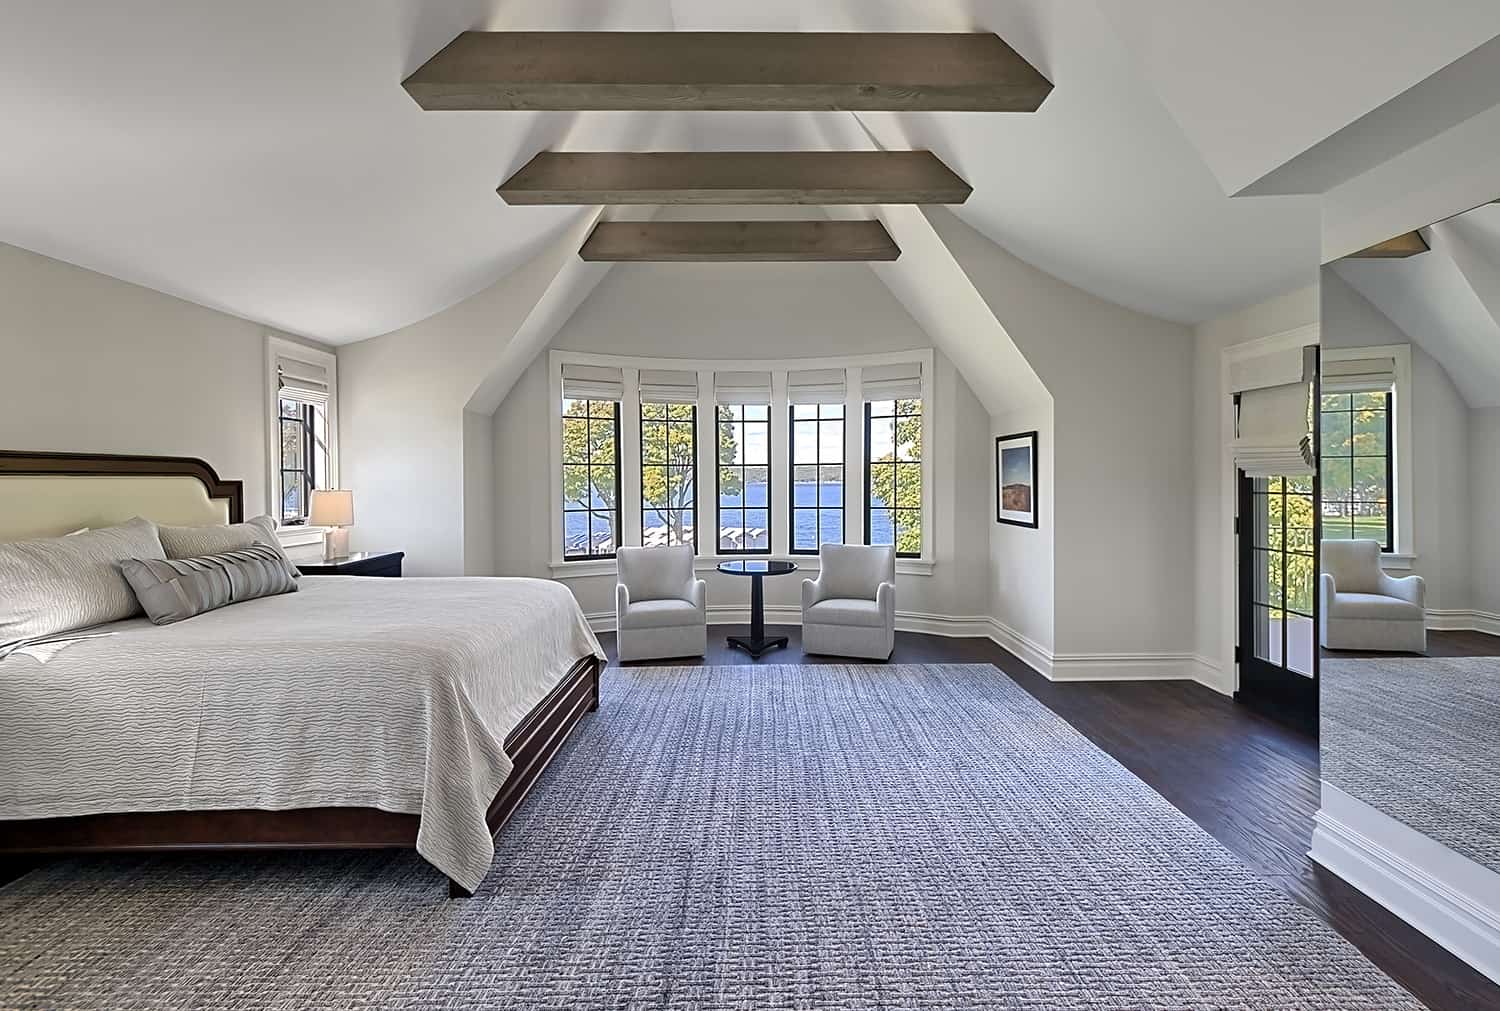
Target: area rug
(913, 837)
(1416, 737)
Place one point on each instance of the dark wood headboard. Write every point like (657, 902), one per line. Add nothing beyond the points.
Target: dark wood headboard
(20, 462)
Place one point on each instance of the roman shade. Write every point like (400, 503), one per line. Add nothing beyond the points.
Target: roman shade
(902, 381)
(1359, 375)
(742, 387)
(1273, 426)
(815, 386)
(669, 386)
(592, 382)
(302, 381)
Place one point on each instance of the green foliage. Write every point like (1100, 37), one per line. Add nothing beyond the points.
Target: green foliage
(1294, 589)
(668, 462)
(900, 486)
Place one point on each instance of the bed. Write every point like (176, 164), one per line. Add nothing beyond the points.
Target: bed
(353, 713)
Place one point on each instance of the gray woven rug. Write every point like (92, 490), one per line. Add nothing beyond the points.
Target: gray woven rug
(1417, 737)
(737, 837)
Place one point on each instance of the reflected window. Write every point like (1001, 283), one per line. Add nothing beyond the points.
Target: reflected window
(1357, 467)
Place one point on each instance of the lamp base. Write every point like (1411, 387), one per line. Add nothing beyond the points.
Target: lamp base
(336, 543)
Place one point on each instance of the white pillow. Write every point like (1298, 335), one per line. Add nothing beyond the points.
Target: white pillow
(58, 584)
(196, 542)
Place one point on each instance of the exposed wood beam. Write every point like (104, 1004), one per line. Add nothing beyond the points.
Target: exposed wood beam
(735, 177)
(1398, 248)
(727, 241)
(728, 70)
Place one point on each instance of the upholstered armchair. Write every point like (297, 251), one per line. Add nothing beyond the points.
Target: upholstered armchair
(661, 607)
(850, 609)
(1363, 608)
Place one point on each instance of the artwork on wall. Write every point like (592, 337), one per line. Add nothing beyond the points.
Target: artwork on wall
(1015, 479)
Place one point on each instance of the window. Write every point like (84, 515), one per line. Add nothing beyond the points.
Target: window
(669, 471)
(1356, 467)
(302, 431)
(817, 434)
(300, 424)
(591, 478)
(744, 478)
(893, 482)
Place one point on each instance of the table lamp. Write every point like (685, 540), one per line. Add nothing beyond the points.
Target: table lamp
(333, 508)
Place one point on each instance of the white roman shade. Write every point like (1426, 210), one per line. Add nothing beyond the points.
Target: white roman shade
(668, 386)
(902, 381)
(742, 387)
(815, 386)
(592, 382)
(1359, 375)
(1273, 427)
(303, 381)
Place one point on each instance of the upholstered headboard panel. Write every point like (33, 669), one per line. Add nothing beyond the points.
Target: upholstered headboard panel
(50, 494)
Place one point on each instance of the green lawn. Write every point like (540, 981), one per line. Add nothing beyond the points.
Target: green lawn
(1365, 528)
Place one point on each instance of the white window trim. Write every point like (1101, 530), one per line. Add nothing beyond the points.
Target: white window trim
(854, 450)
(1404, 551)
(279, 347)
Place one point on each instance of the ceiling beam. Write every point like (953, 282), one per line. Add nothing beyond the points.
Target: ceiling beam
(787, 71)
(735, 177)
(738, 241)
(1398, 248)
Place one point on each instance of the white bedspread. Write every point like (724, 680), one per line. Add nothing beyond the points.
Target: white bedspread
(387, 693)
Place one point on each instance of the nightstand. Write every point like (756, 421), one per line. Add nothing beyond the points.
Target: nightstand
(360, 563)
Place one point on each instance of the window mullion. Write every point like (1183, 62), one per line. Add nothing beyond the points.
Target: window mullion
(628, 484)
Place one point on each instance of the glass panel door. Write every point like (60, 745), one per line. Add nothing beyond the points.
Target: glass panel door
(1278, 587)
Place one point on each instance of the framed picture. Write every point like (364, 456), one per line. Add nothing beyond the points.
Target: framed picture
(1015, 479)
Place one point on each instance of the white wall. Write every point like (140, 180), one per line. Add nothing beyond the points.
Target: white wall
(96, 365)
(1442, 455)
(1484, 493)
(1212, 474)
(726, 311)
(1120, 488)
(1021, 582)
(419, 468)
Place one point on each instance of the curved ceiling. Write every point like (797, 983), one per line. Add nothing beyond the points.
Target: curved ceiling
(263, 159)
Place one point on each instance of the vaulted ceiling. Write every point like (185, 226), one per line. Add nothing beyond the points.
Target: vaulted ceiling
(262, 158)
(1446, 299)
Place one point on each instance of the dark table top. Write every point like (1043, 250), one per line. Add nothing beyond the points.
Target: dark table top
(757, 567)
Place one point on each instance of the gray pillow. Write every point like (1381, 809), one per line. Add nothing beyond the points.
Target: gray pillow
(58, 584)
(173, 589)
(195, 542)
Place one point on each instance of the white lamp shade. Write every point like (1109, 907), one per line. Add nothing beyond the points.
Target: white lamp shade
(332, 507)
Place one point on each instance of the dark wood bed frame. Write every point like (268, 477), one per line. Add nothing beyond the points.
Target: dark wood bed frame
(531, 745)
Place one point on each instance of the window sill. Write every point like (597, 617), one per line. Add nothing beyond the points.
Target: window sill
(300, 536)
(1396, 560)
(706, 563)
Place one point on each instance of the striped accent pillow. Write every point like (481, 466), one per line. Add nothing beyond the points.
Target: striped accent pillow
(173, 589)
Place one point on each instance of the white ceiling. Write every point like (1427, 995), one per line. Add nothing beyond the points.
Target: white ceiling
(261, 158)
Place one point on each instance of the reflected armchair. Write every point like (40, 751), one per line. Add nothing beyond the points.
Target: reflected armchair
(1363, 608)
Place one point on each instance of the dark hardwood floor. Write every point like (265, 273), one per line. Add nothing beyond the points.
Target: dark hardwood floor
(1438, 644)
(1249, 782)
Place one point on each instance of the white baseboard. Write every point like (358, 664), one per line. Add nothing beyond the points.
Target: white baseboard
(1073, 667)
(1461, 620)
(1445, 895)
(791, 614)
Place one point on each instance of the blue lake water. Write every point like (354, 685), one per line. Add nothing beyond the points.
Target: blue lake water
(757, 514)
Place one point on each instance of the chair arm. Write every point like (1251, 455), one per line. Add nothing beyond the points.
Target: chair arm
(885, 599)
(1327, 591)
(622, 600)
(811, 593)
(1409, 588)
(698, 594)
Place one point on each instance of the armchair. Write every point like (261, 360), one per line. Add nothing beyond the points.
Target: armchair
(1363, 608)
(850, 609)
(661, 607)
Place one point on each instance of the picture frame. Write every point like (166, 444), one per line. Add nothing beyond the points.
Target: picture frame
(1016, 492)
